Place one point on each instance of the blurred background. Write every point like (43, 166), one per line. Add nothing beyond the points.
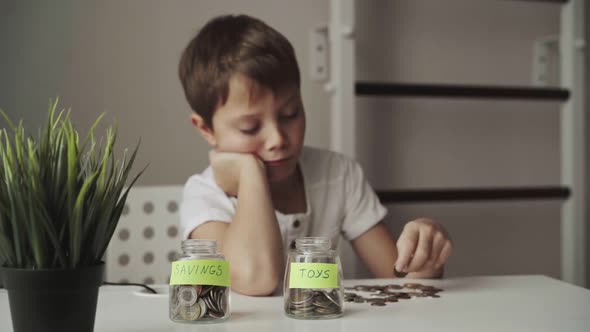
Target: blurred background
(120, 57)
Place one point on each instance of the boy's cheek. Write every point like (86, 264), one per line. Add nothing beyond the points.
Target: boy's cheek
(238, 145)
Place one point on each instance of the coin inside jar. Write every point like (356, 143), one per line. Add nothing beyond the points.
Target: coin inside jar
(314, 303)
(211, 304)
(301, 296)
(187, 295)
(192, 312)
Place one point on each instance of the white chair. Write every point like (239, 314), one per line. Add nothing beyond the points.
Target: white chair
(147, 237)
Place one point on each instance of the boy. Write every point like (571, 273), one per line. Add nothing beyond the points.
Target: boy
(263, 188)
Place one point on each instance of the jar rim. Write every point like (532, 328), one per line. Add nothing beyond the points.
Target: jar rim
(206, 245)
(313, 242)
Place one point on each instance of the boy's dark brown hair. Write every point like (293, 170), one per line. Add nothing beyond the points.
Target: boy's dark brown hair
(231, 44)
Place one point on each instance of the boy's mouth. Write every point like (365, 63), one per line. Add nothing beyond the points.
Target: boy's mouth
(277, 162)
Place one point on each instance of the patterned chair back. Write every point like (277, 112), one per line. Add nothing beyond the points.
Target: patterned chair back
(147, 237)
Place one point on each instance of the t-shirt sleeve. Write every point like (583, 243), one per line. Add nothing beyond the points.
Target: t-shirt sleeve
(363, 208)
(203, 201)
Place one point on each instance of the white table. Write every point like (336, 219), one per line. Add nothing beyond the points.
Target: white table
(502, 303)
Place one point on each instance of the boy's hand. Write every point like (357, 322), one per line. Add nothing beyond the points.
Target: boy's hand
(229, 167)
(423, 245)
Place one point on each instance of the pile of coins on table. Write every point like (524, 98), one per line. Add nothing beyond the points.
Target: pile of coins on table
(380, 295)
(313, 303)
(190, 303)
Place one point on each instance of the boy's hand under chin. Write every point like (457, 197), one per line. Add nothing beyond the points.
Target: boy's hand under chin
(230, 167)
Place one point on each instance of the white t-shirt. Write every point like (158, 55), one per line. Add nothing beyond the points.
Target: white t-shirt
(339, 201)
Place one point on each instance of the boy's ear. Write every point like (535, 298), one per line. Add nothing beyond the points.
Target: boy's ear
(203, 129)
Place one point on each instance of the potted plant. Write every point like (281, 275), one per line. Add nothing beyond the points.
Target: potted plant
(60, 202)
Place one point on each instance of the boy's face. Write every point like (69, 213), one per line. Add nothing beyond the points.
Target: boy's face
(254, 120)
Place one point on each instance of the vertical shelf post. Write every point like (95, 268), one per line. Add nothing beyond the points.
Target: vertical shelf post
(573, 145)
(342, 77)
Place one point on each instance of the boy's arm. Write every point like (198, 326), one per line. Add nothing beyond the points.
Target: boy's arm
(422, 240)
(252, 241)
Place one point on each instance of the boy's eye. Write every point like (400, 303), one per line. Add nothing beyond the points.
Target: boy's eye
(249, 131)
(290, 115)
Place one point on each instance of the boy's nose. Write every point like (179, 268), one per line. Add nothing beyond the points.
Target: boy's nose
(276, 139)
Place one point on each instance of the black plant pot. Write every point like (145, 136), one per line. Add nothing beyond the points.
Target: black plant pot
(53, 300)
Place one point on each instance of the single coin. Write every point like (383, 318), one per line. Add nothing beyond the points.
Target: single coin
(322, 302)
(380, 304)
(399, 274)
(393, 287)
(202, 307)
(187, 295)
(332, 296)
(192, 312)
(301, 296)
(413, 285)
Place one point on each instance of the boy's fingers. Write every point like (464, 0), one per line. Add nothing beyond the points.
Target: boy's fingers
(422, 252)
(445, 253)
(437, 246)
(406, 244)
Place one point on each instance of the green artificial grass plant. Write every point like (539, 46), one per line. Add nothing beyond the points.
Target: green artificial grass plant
(60, 199)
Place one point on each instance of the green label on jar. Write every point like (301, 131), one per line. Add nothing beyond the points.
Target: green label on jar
(200, 272)
(313, 275)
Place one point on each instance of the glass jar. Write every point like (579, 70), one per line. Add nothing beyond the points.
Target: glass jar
(313, 280)
(199, 284)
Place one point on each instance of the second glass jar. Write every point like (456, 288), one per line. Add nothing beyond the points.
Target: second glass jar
(313, 286)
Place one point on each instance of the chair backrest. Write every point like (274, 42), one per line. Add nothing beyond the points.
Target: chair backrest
(147, 237)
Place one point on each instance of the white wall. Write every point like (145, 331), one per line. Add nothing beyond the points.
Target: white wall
(426, 143)
(121, 57)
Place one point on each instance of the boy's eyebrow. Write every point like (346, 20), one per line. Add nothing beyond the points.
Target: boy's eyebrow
(249, 116)
(294, 97)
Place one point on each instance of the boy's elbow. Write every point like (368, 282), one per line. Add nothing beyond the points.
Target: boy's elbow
(253, 282)
(255, 289)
